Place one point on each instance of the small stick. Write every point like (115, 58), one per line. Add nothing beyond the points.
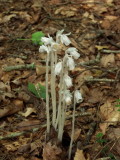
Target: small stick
(18, 67)
(100, 80)
(110, 51)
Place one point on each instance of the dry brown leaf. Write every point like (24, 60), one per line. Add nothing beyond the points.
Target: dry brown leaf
(66, 11)
(12, 108)
(24, 96)
(109, 114)
(28, 112)
(109, 2)
(95, 95)
(82, 77)
(54, 2)
(111, 18)
(40, 70)
(107, 60)
(79, 155)
(7, 18)
(27, 125)
(51, 152)
(76, 134)
(37, 4)
(20, 158)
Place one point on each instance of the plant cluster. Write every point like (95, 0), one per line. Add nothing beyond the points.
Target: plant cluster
(57, 72)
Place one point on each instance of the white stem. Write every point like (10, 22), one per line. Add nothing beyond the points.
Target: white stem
(63, 107)
(47, 94)
(73, 128)
(53, 91)
(60, 101)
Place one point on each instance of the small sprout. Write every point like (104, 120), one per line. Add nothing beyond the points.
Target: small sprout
(36, 38)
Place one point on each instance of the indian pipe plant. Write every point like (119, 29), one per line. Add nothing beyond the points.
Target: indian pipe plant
(57, 76)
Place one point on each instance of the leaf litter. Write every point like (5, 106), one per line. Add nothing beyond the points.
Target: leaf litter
(94, 26)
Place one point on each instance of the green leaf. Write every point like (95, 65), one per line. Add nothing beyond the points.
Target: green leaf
(99, 135)
(42, 91)
(32, 89)
(36, 37)
(39, 91)
(118, 100)
(117, 105)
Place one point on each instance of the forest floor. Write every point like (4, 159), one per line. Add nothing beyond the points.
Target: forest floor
(95, 32)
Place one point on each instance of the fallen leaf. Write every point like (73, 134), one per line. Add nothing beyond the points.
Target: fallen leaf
(40, 70)
(79, 155)
(7, 18)
(27, 125)
(107, 60)
(66, 11)
(51, 152)
(28, 112)
(12, 108)
(95, 95)
(109, 115)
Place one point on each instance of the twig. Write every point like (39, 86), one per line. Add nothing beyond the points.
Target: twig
(17, 67)
(17, 56)
(110, 51)
(16, 134)
(113, 43)
(100, 80)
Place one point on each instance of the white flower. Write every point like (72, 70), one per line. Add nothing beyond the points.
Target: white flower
(62, 38)
(47, 40)
(70, 63)
(78, 96)
(68, 80)
(73, 52)
(44, 48)
(67, 97)
(58, 68)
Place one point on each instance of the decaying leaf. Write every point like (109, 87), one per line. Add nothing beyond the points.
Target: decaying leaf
(51, 152)
(12, 108)
(40, 70)
(66, 11)
(28, 112)
(107, 60)
(109, 114)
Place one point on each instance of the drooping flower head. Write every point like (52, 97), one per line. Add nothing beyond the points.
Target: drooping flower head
(68, 81)
(44, 48)
(73, 52)
(58, 68)
(62, 38)
(47, 40)
(67, 97)
(70, 63)
(78, 96)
